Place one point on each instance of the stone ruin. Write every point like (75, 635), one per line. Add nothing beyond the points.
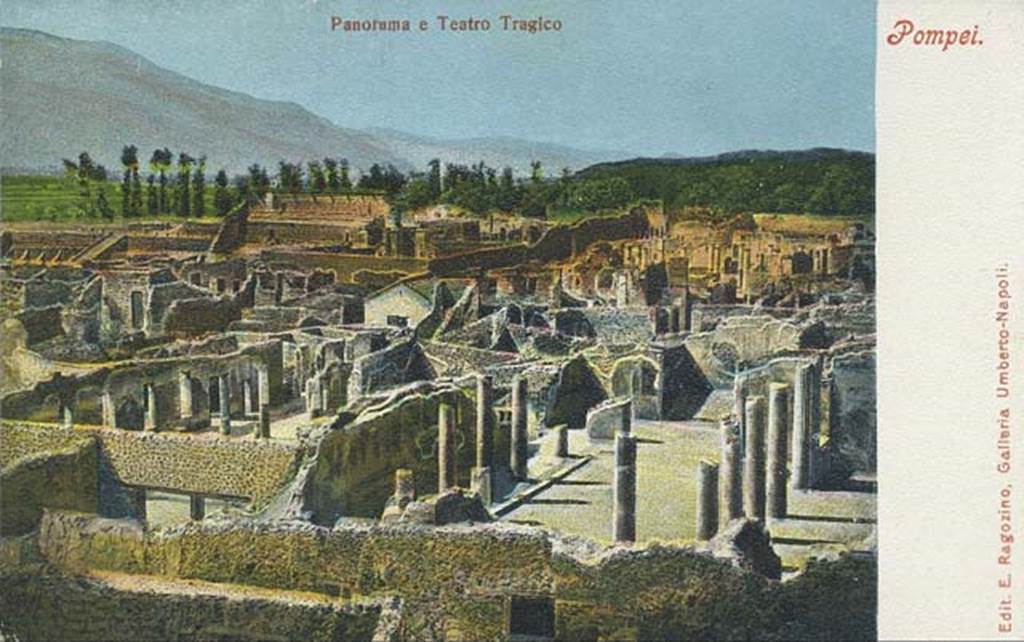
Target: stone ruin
(489, 457)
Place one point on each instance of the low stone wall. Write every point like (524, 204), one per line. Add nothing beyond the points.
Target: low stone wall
(346, 265)
(51, 606)
(604, 420)
(167, 244)
(215, 465)
(22, 441)
(209, 465)
(60, 475)
(457, 582)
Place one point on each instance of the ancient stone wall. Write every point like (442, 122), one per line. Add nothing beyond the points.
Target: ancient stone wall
(41, 323)
(45, 470)
(557, 244)
(191, 317)
(346, 265)
(739, 343)
(683, 385)
(45, 605)
(457, 582)
(400, 363)
(219, 466)
(157, 244)
(21, 441)
(353, 474)
(162, 297)
(231, 233)
(323, 208)
(39, 293)
(213, 465)
(707, 316)
(852, 409)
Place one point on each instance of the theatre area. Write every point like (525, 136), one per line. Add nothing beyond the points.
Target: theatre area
(311, 421)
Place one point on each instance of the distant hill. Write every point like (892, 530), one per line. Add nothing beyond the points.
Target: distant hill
(62, 96)
(820, 181)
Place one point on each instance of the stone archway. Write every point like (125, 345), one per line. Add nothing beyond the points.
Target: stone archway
(636, 378)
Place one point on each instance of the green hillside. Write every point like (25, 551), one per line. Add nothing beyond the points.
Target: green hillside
(818, 181)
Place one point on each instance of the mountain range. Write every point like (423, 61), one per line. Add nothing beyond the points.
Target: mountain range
(60, 96)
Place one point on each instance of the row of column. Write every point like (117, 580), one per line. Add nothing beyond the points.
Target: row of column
(754, 474)
(672, 319)
(624, 483)
(318, 394)
(255, 403)
(482, 474)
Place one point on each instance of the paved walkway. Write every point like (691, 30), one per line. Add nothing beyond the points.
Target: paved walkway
(667, 456)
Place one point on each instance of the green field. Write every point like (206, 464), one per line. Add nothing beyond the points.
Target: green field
(54, 198)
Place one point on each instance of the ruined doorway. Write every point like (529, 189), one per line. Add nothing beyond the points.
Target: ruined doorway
(214, 396)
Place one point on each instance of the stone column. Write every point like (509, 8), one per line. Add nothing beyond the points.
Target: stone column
(299, 375)
(480, 483)
(137, 497)
(778, 421)
(224, 397)
(626, 424)
(562, 440)
(520, 436)
(248, 403)
(263, 427)
(405, 486)
(185, 395)
(815, 459)
(263, 386)
(480, 476)
(197, 507)
(687, 321)
(67, 414)
(624, 489)
(325, 395)
(278, 287)
(753, 464)
(445, 446)
(730, 478)
(313, 397)
(109, 411)
(801, 425)
(149, 421)
(484, 421)
(707, 499)
(740, 412)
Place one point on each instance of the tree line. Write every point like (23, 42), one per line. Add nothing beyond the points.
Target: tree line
(841, 183)
(176, 184)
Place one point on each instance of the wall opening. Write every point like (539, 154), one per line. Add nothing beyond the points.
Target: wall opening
(532, 617)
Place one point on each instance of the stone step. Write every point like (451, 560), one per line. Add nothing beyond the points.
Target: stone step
(839, 505)
(809, 531)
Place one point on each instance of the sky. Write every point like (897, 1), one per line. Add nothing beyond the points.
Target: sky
(650, 77)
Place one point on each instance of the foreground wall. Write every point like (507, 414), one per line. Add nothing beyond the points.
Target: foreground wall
(45, 605)
(460, 582)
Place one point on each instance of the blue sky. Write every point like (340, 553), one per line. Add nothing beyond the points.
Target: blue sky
(647, 77)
